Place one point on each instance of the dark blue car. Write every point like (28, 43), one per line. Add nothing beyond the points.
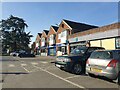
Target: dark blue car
(76, 61)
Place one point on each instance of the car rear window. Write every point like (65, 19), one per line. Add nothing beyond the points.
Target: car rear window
(102, 55)
(91, 49)
(80, 50)
(118, 53)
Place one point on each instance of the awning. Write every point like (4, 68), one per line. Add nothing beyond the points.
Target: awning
(51, 46)
(60, 45)
(43, 47)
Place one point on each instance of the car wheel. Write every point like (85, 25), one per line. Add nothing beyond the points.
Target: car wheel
(77, 69)
(20, 56)
(14, 55)
(118, 79)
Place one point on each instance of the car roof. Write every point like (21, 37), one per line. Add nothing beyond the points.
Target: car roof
(110, 50)
(96, 47)
(91, 47)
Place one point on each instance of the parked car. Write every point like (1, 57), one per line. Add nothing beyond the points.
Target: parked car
(76, 61)
(15, 53)
(26, 54)
(105, 63)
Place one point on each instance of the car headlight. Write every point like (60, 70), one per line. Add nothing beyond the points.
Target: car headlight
(67, 60)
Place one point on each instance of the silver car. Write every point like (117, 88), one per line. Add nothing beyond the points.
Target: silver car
(104, 63)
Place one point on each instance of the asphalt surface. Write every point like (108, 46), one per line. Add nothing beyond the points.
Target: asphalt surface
(40, 72)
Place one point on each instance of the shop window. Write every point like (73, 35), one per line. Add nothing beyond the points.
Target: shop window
(43, 39)
(117, 43)
(59, 48)
(42, 50)
(64, 33)
(59, 35)
(63, 49)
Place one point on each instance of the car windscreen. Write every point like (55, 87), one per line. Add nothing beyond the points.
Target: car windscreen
(77, 51)
(102, 55)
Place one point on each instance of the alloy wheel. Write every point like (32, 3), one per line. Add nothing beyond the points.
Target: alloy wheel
(77, 69)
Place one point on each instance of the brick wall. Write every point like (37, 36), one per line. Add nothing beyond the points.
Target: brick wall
(60, 29)
(45, 36)
(51, 32)
(100, 29)
(38, 38)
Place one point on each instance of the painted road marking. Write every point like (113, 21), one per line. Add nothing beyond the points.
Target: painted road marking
(79, 86)
(23, 64)
(34, 70)
(72, 76)
(34, 63)
(44, 62)
(25, 69)
(11, 65)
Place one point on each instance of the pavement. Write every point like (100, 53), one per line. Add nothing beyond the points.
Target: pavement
(39, 72)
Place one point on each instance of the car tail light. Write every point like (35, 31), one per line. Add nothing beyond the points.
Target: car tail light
(87, 61)
(112, 63)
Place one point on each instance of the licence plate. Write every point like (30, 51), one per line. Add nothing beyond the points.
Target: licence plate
(96, 70)
(58, 65)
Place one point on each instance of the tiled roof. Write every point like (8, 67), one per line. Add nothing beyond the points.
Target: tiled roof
(46, 31)
(79, 26)
(55, 28)
(40, 34)
(97, 30)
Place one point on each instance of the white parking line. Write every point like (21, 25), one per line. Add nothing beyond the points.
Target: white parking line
(11, 65)
(72, 77)
(79, 86)
(34, 63)
(25, 69)
(23, 64)
(44, 62)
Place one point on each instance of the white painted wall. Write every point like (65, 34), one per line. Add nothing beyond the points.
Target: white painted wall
(63, 36)
(52, 40)
(98, 35)
(43, 44)
(37, 44)
(43, 41)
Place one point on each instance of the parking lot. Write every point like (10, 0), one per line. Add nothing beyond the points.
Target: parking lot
(40, 72)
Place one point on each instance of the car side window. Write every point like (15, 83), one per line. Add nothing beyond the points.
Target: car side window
(118, 54)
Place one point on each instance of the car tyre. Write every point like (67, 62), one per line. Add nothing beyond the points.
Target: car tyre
(77, 69)
(14, 55)
(118, 79)
(20, 56)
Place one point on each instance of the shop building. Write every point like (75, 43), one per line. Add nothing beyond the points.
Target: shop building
(44, 43)
(106, 36)
(52, 40)
(65, 29)
(38, 44)
(33, 48)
